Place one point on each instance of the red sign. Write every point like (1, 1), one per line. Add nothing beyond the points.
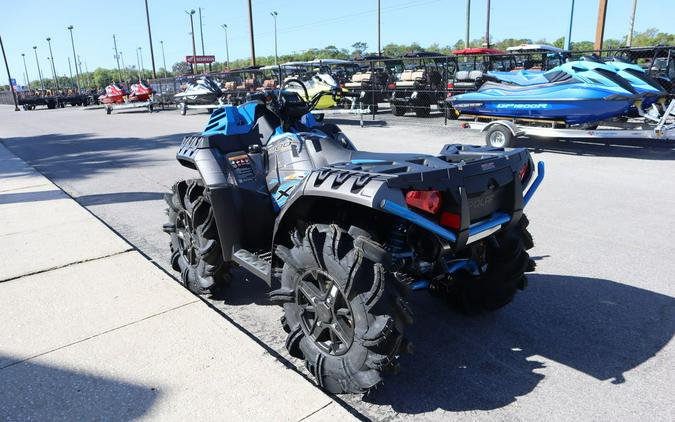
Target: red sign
(200, 59)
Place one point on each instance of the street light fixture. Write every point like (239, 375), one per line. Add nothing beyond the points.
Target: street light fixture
(227, 49)
(51, 55)
(42, 84)
(194, 47)
(77, 72)
(276, 56)
(25, 68)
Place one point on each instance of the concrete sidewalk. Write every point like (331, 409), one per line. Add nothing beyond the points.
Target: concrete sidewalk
(92, 330)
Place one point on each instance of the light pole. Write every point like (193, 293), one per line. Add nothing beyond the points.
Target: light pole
(569, 33)
(201, 35)
(77, 72)
(25, 68)
(629, 39)
(138, 62)
(194, 48)
(50, 65)
(123, 65)
(487, 26)
(276, 55)
(250, 30)
(379, 16)
(42, 84)
(140, 54)
(70, 70)
(227, 49)
(163, 57)
(11, 87)
(152, 51)
(468, 22)
(56, 78)
(117, 58)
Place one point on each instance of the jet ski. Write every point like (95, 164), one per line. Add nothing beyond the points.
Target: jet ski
(203, 90)
(140, 92)
(114, 94)
(315, 84)
(564, 97)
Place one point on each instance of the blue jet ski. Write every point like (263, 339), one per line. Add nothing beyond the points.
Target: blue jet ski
(553, 95)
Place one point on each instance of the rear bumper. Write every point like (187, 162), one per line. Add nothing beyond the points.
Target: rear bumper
(472, 232)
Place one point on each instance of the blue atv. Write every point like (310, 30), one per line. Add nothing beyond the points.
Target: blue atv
(343, 236)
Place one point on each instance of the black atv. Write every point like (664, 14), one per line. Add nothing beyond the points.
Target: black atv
(342, 236)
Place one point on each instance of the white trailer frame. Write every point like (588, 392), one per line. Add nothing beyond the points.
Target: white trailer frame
(150, 105)
(650, 127)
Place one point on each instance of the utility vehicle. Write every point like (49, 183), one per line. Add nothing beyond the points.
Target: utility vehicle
(343, 236)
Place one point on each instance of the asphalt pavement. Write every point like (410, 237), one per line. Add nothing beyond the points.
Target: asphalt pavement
(589, 339)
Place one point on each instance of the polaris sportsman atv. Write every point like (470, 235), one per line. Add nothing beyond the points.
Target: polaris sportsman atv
(341, 235)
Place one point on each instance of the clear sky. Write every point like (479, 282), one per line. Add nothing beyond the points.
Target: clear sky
(301, 24)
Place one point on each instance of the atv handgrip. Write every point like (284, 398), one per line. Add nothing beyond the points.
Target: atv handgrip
(299, 82)
(535, 184)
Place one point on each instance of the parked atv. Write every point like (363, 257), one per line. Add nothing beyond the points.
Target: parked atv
(342, 236)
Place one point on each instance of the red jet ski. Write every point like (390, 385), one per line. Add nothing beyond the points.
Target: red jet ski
(114, 94)
(140, 92)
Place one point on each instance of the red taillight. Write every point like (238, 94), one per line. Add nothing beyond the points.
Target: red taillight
(451, 85)
(425, 200)
(391, 86)
(451, 220)
(523, 171)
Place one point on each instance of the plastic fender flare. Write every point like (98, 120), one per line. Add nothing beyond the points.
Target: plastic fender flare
(512, 127)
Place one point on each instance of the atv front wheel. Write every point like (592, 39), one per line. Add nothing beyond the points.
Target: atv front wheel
(342, 317)
(195, 248)
(507, 262)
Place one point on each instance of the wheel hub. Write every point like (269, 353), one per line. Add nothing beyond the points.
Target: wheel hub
(185, 233)
(325, 313)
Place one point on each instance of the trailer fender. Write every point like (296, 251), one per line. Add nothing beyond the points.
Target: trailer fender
(512, 127)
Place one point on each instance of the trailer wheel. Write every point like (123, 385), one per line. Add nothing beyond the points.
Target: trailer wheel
(183, 109)
(108, 110)
(398, 110)
(499, 136)
(150, 108)
(342, 315)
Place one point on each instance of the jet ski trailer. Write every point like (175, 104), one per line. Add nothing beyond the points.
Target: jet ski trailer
(503, 132)
(149, 105)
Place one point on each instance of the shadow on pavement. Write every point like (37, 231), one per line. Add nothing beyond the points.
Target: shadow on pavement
(35, 391)
(47, 195)
(599, 327)
(645, 149)
(119, 197)
(78, 156)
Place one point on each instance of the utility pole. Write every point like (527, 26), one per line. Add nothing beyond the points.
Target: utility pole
(77, 72)
(194, 48)
(42, 84)
(468, 23)
(569, 33)
(11, 87)
(629, 39)
(79, 66)
(250, 27)
(600, 28)
(227, 49)
(56, 78)
(487, 26)
(117, 58)
(276, 53)
(163, 57)
(25, 68)
(140, 54)
(201, 35)
(123, 65)
(152, 51)
(379, 27)
(50, 66)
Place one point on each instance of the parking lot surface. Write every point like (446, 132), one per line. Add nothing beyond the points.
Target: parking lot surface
(590, 338)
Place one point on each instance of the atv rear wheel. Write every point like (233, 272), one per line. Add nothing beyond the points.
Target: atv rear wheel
(342, 317)
(507, 262)
(195, 248)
